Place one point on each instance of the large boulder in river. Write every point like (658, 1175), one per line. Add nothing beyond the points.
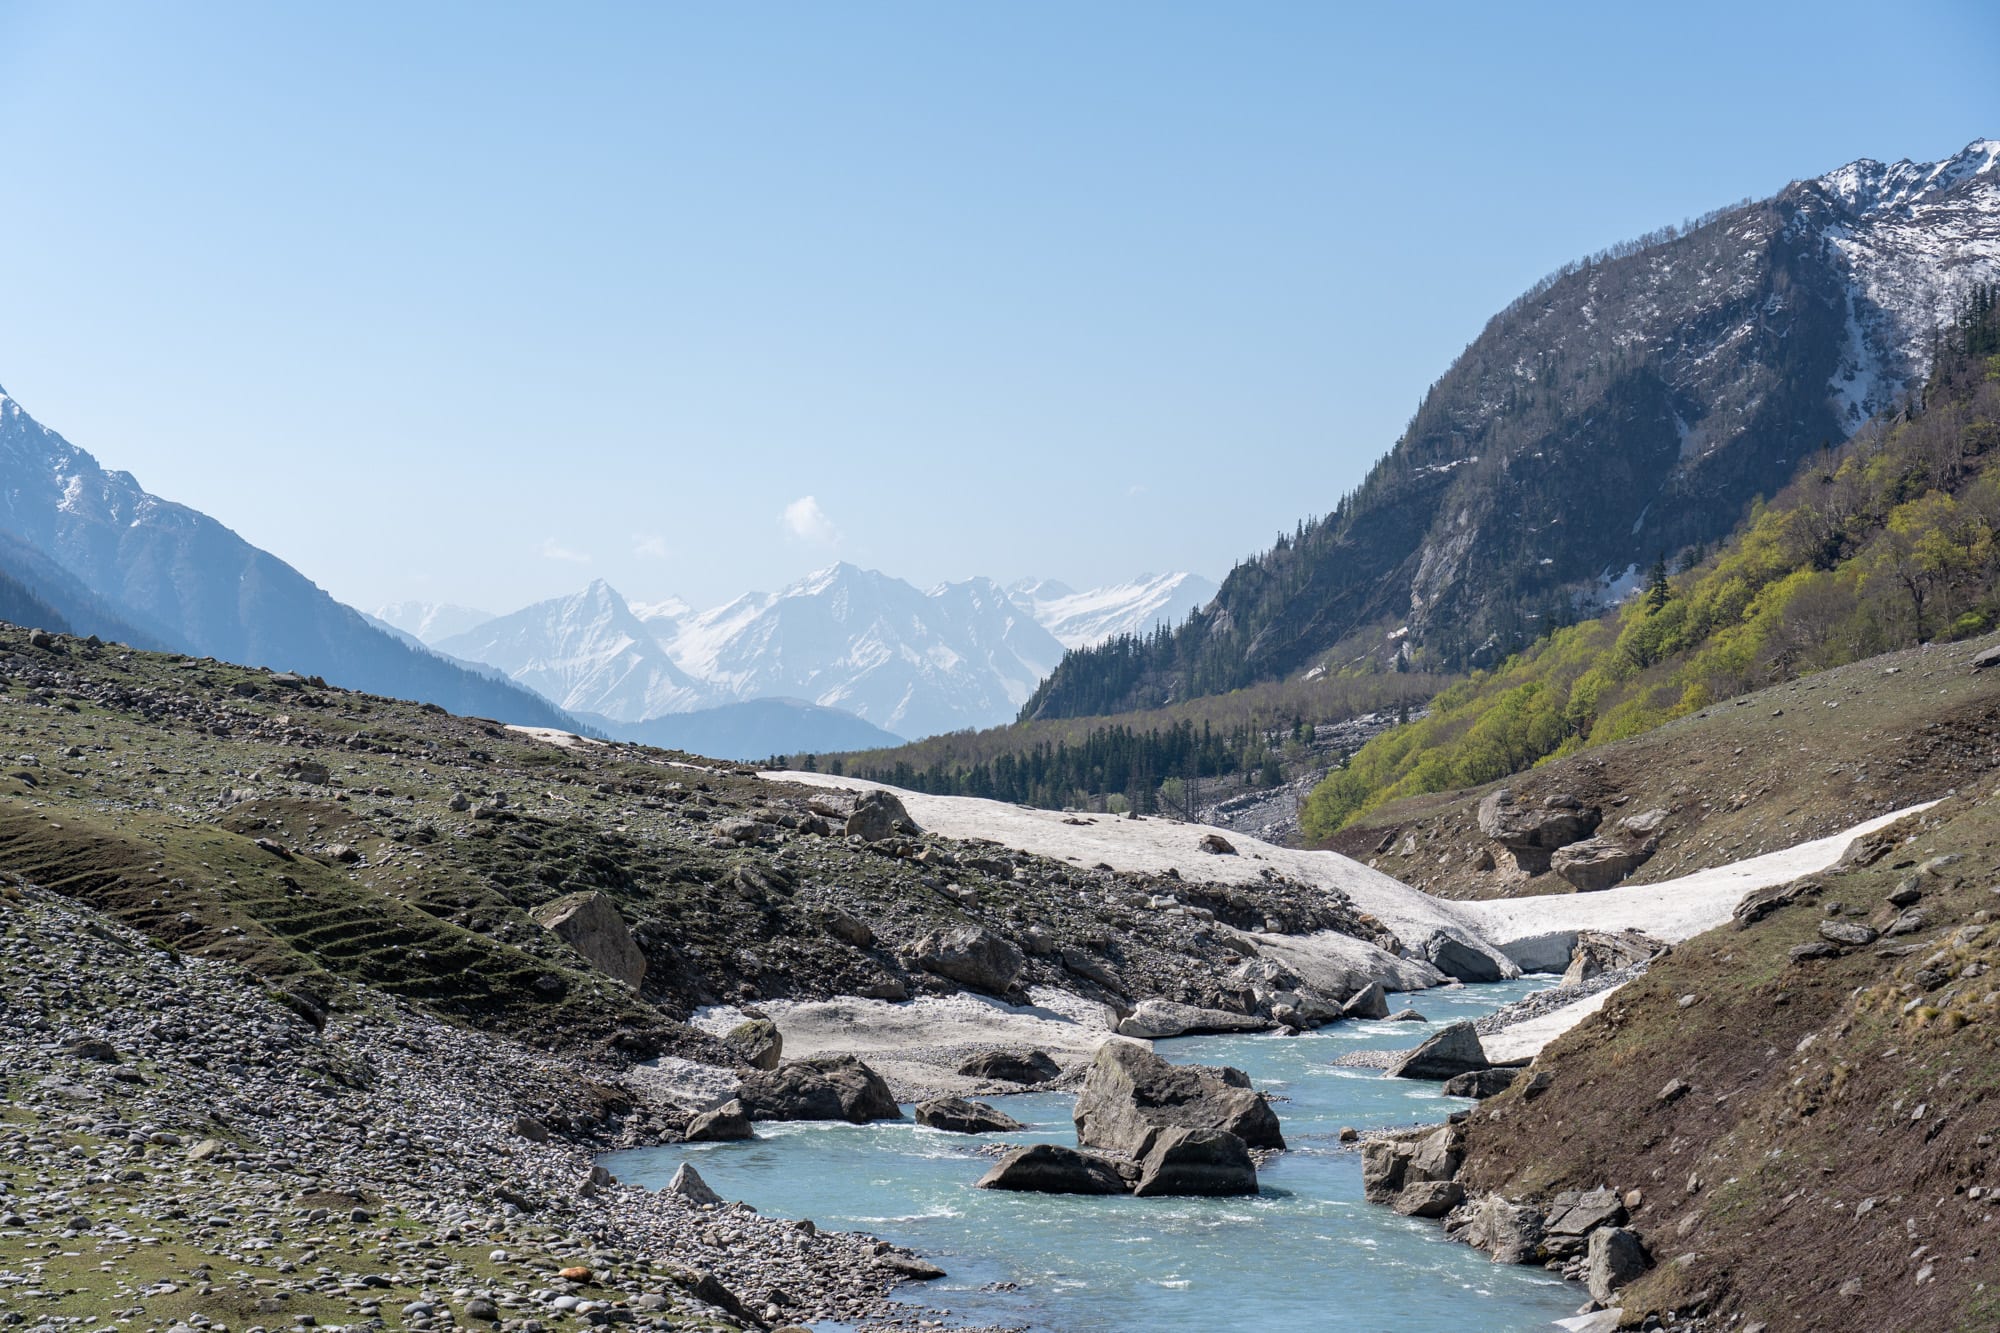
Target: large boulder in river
(727, 1123)
(1131, 1092)
(1165, 1018)
(589, 923)
(1050, 1168)
(1195, 1161)
(1533, 832)
(973, 956)
(1012, 1066)
(826, 1088)
(1449, 1053)
(959, 1116)
(878, 816)
(1371, 1001)
(1599, 863)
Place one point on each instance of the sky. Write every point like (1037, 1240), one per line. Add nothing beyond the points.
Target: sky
(477, 303)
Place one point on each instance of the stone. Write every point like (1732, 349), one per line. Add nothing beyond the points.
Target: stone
(1011, 1066)
(1812, 951)
(1598, 863)
(956, 1115)
(1447, 1054)
(850, 930)
(1371, 1001)
(1616, 1257)
(825, 1088)
(1464, 961)
(879, 816)
(1909, 923)
(708, 1289)
(1510, 1233)
(1674, 1090)
(1577, 1213)
(531, 1129)
(727, 1123)
(1852, 933)
(1182, 1161)
(973, 956)
(687, 1183)
(1597, 952)
(1429, 1198)
(909, 1266)
(1481, 1083)
(1050, 1168)
(92, 1048)
(589, 923)
(1533, 833)
(1644, 824)
(757, 1042)
(1384, 1162)
(1981, 660)
(1217, 845)
(1435, 1155)
(1164, 1018)
(1130, 1092)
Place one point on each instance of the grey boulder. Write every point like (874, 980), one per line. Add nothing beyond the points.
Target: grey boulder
(959, 1116)
(1182, 1161)
(1129, 1092)
(1011, 1066)
(1050, 1168)
(589, 923)
(1447, 1054)
(973, 956)
(1166, 1018)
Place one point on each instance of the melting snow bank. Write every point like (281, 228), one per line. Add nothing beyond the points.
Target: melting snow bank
(1539, 933)
(1522, 934)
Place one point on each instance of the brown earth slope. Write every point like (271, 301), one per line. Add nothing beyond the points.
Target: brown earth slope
(1812, 1139)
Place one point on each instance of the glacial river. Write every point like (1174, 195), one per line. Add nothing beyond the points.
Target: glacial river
(1306, 1254)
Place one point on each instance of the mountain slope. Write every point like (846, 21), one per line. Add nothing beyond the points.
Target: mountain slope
(1632, 405)
(177, 575)
(1084, 619)
(587, 653)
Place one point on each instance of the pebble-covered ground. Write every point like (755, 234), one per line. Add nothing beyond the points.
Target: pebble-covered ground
(179, 1149)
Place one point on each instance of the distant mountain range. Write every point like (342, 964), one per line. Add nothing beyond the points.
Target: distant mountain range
(91, 551)
(1631, 407)
(895, 660)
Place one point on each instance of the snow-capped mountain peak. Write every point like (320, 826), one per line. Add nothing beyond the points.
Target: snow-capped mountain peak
(1083, 619)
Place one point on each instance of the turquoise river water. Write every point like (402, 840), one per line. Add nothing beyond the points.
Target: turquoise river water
(1304, 1254)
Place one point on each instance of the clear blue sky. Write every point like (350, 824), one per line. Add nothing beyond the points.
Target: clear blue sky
(473, 302)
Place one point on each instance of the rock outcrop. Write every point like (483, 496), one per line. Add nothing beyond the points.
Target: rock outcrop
(589, 923)
(1533, 833)
(1599, 863)
(879, 816)
(757, 1041)
(1598, 952)
(973, 956)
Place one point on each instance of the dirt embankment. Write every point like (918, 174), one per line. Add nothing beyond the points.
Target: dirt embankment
(1791, 763)
(1808, 1123)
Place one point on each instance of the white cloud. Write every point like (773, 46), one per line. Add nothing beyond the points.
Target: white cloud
(653, 546)
(805, 520)
(554, 550)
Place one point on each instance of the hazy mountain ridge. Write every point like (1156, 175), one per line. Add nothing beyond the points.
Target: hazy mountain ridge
(894, 659)
(123, 563)
(1630, 406)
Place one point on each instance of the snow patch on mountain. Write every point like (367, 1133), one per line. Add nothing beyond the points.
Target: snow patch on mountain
(1085, 619)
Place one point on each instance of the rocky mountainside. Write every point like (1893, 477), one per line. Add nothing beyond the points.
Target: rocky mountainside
(430, 622)
(1084, 619)
(1629, 407)
(114, 560)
